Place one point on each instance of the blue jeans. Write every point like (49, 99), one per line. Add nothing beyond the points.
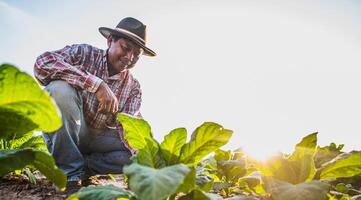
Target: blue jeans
(78, 149)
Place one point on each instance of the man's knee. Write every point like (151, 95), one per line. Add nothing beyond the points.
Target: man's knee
(63, 93)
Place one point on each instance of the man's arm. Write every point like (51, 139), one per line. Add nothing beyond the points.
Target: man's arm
(66, 64)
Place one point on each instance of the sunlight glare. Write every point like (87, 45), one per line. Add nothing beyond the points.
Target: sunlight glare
(260, 154)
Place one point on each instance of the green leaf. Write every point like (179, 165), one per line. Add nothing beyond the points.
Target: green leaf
(242, 197)
(207, 138)
(24, 106)
(220, 155)
(107, 192)
(138, 134)
(30, 175)
(253, 179)
(195, 179)
(18, 159)
(232, 170)
(189, 182)
(200, 195)
(341, 187)
(172, 144)
(16, 143)
(297, 168)
(155, 184)
(344, 165)
(280, 190)
(309, 142)
(35, 142)
(204, 182)
(14, 125)
(12, 160)
(135, 130)
(303, 158)
(292, 171)
(327, 153)
(45, 163)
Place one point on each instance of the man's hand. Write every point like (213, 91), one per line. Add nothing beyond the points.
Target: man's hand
(108, 102)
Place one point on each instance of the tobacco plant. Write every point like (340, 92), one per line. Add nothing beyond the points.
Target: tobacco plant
(296, 176)
(233, 174)
(163, 170)
(24, 108)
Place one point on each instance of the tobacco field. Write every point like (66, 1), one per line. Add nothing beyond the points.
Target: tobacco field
(175, 168)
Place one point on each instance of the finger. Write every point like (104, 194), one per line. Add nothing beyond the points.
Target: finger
(115, 105)
(115, 108)
(112, 108)
(101, 108)
(108, 107)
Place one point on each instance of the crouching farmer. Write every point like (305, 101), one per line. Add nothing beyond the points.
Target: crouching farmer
(90, 86)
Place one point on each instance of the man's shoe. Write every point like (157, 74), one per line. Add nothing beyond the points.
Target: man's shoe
(72, 187)
(93, 180)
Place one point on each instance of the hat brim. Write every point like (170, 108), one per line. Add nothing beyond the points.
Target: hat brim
(108, 31)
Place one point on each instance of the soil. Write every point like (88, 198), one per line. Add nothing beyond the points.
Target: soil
(15, 186)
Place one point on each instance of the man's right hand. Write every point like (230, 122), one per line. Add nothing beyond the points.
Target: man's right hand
(108, 102)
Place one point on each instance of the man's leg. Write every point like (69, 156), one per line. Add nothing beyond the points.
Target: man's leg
(105, 152)
(63, 143)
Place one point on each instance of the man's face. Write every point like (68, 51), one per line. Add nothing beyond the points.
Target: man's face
(122, 54)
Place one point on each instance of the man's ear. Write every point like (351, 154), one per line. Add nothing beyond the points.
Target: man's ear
(109, 40)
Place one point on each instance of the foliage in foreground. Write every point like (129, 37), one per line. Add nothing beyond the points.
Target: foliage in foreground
(296, 174)
(159, 171)
(175, 168)
(25, 107)
(166, 169)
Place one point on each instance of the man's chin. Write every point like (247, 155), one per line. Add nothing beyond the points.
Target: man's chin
(121, 69)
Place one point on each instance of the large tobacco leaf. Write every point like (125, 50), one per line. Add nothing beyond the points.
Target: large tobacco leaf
(154, 184)
(172, 145)
(207, 138)
(344, 165)
(103, 192)
(281, 190)
(24, 106)
(138, 134)
(17, 159)
(303, 158)
(297, 168)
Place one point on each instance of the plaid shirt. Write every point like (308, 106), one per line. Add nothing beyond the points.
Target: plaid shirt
(85, 67)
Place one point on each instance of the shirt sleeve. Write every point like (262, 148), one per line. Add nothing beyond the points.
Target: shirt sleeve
(133, 103)
(66, 64)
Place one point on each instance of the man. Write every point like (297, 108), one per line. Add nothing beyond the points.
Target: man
(89, 86)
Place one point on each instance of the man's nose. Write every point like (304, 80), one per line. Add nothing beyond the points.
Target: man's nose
(130, 56)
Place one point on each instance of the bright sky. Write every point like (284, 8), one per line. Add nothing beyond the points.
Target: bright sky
(272, 72)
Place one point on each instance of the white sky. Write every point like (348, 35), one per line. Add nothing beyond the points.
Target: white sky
(272, 71)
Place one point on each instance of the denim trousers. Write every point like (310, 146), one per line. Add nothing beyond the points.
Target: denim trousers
(77, 148)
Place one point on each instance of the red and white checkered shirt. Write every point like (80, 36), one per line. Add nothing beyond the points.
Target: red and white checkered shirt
(85, 67)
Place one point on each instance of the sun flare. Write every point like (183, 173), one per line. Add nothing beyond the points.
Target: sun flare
(260, 154)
